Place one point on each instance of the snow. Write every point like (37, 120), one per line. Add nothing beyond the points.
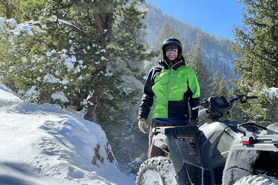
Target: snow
(103, 58)
(49, 78)
(44, 145)
(2, 20)
(271, 93)
(69, 64)
(18, 28)
(108, 74)
(59, 96)
(12, 22)
(11, 69)
(31, 94)
(28, 29)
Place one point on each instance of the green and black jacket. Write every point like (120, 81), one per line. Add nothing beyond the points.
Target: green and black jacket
(169, 90)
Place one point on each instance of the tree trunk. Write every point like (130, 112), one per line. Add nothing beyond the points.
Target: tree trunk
(91, 113)
(103, 23)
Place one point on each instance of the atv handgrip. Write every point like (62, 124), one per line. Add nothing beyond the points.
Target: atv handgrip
(197, 107)
(252, 97)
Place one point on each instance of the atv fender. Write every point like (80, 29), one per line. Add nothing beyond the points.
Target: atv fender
(273, 127)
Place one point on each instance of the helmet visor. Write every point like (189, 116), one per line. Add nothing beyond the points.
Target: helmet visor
(171, 48)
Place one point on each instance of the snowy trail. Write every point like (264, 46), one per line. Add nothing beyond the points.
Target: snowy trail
(44, 145)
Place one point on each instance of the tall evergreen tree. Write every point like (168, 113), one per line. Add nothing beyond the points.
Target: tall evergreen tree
(220, 87)
(215, 84)
(257, 44)
(195, 60)
(80, 42)
(223, 90)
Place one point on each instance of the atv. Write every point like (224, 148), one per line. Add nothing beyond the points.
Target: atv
(220, 152)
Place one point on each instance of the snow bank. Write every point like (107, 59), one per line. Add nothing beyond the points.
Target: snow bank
(45, 145)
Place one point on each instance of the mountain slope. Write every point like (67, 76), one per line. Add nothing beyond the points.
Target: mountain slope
(217, 52)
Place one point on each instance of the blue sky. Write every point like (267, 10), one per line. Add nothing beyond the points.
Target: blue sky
(215, 17)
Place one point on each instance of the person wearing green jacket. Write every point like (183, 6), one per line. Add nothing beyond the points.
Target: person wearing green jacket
(168, 89)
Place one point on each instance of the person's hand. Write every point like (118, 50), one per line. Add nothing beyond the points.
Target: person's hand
(193, 122)
(143, 123)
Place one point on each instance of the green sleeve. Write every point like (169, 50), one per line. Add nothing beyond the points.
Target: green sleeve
(194, 85)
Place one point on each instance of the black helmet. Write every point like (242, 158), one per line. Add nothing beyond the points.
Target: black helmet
(172, 41)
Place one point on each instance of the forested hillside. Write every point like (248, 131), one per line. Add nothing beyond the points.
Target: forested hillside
(216, 51)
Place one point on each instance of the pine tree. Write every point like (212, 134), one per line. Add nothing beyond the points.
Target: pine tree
(215, 83)
(195, 60)
(9, 9)
(129, 34)
(79, 44)
(257, 44)
(223, 91)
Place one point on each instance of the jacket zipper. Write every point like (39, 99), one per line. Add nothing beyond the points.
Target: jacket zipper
(169, 78)
(167, 100)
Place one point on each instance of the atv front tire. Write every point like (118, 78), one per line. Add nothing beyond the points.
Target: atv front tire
(257, 179)
(156, 171)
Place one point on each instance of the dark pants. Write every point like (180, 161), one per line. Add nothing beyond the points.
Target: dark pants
(153, 150)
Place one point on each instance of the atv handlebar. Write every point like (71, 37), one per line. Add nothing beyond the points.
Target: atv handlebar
(217, 107)
(243, 99)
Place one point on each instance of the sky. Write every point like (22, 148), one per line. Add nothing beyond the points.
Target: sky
(215, 17)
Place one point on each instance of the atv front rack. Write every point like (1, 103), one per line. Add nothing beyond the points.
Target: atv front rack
(252, 136)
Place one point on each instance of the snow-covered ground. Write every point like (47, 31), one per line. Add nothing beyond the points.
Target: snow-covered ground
(44, 145)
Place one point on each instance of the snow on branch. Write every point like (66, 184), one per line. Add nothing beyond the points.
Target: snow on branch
(271, 93)
(60, 96)
(67, 24)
